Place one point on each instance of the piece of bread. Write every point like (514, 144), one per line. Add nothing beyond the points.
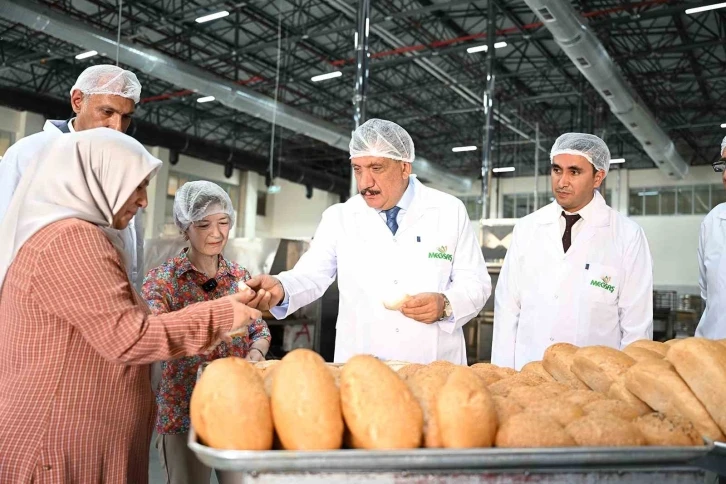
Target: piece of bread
(525, 396)
(657, 384)
(617, 408)
(619, 391)
(442, 365)
(396, 301)
(504, 386)
(670, 342)
(425, 385)
(537, 368)
(557, 361)
(701, 363)
(660, 429)
(488, 375)
(719, 341)
(601, 430)
(646, 344)
(379, 409)
(229, 408)
(465, 394)
(505, 408)
(335, 371)
(410, 369)
(396, 365)
(599, 366)
(582, 397)
(532, 430)
(306, 403)
(640, 354)
(556, 408)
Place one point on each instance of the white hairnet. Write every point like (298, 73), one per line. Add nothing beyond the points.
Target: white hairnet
(588, 146)
(723, 145)
(105, 79)
(381, 138)
(198, 199)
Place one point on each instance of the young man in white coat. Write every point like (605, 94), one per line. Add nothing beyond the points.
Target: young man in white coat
(395, 238)
(103, 96)
(712, 264)
(576, 271)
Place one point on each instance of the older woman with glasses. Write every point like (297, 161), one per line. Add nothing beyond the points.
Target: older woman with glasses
(712, 264)
(203, 213)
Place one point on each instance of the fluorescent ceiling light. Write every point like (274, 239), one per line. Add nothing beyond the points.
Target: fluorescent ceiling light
(205, 99)
(503, 169)
(705, 8)
(723, 125)
(86, 55)
(485, 47)
(212, 16)
(647, 194)
(617, 160)
(273, 189)
(325, 77)
(457, 149)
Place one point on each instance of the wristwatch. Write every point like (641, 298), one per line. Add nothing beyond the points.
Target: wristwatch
(448, 311)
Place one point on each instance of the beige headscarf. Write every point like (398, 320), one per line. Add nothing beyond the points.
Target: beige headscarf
(87, 175)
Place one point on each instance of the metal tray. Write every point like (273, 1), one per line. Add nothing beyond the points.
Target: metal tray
(447, 459)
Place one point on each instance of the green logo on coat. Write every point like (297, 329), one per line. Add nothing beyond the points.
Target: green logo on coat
(603, 283)
(441, 254)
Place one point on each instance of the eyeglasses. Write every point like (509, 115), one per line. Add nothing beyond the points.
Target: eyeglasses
(719, 166)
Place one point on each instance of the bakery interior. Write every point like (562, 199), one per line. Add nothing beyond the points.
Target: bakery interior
(260, 97)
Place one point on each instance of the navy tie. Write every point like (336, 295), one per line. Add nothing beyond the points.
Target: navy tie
(391, 222)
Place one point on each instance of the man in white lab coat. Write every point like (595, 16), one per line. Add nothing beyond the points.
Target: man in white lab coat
(712, 264)
(576, 271)
(103, 96)
(395, 238)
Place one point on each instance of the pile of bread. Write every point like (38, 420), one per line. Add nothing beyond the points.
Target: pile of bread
(651, 393)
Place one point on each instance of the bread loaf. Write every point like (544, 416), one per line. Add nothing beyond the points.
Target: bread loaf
(600, 430)
(616, 408)
(701, 363)
(379, 409)
(505, 408)
(465, 394)
(646, 344)
(229, 408)
(487, 375)
(640, 354)
(664, 430)
(537, 368)
(657, 384)
(409, 370)
(599, 366)
(582, 397)
(306, 403)
(504, 386)
(525, 395)
(619, 391)
(556, 408)
(425, 384)
(532, 430)
(557, 361)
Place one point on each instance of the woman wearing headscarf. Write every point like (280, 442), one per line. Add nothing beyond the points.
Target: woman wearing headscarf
(203, 213)
(75, 339)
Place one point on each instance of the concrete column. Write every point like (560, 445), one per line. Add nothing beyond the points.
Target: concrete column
(155, 212)
(247, 216)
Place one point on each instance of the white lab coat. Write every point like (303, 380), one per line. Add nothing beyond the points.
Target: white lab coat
(354, 243)
(599, 293)
(712, 274)
(16, 160)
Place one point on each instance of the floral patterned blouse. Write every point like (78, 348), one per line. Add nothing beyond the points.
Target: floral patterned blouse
(173, 286)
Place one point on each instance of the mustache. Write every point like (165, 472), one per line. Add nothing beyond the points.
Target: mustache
(368, 191)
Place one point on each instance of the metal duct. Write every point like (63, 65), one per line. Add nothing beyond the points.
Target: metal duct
(187, 76)
(590, 57)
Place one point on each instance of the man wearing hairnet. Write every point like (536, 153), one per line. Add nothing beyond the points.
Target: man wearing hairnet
(409, 268)
(103, 96)
(576, 271)
(712, 264)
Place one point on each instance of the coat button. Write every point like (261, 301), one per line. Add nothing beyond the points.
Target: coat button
(396, 330)
(552, 339)
(395, 282)
(557, 297)
(47, 467)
